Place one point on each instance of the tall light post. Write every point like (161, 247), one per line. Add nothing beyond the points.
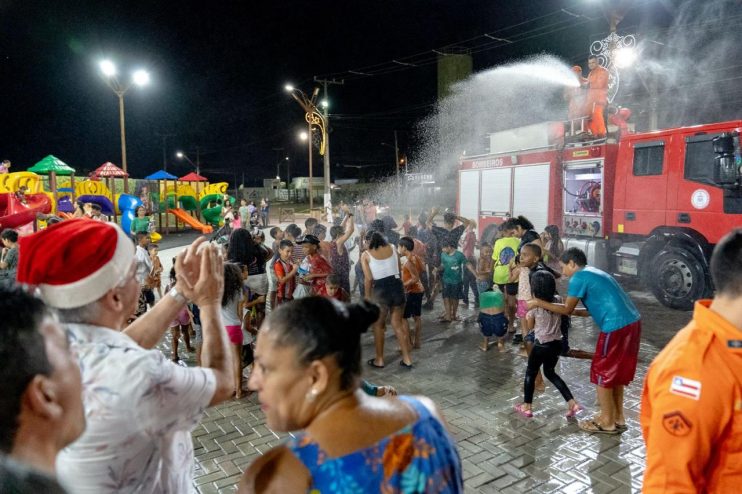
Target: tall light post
(139, 78)
(325, 104)
(182, 156)
(314, 119)
(306, 136)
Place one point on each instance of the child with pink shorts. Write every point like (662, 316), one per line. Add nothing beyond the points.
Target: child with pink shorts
(232, 305)
(180, 325)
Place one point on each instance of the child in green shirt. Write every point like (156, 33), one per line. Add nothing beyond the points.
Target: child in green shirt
(492, 320)
(453, 263)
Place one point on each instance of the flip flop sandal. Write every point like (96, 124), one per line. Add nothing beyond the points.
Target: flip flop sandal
(523, 411)
(576, 410)
(622, 428)
(374, 364)
(406, 366)
(593, 427)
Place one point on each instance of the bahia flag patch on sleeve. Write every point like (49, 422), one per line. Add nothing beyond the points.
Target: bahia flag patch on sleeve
(686, 387)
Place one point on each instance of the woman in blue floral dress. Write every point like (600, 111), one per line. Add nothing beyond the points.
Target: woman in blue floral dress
(307, 375)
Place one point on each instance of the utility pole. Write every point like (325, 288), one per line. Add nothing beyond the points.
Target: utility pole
(278, 161)
(164, 148)
(326, 105)
(396, 157)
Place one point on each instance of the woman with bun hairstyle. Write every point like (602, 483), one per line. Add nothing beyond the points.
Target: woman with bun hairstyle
(307, 378)
(383, 285)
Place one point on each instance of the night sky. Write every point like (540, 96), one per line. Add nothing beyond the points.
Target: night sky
(218, 71)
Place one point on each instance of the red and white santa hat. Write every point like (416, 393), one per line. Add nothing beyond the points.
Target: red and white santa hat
(75, 262)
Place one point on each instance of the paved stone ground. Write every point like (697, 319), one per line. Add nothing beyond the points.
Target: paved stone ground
(501, 452)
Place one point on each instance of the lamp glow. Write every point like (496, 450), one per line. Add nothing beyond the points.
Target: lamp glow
(140, 77)
(303, 136)
(288, 88)
(625, 57)
(108, 68)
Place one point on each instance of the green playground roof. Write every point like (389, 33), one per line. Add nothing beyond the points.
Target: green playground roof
(52, 164)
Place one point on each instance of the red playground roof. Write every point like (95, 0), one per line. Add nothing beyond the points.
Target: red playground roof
(108, 170)
(193, 177)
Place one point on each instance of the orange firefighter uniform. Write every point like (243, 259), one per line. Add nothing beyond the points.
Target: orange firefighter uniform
(691, 411)
(597, 99)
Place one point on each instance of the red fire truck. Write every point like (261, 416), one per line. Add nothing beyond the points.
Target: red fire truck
(650, 205)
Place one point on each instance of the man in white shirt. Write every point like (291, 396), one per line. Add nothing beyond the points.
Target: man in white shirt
(140, 407)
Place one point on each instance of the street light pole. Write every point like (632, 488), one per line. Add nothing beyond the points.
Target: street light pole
(325, 105)
(123, 139)
(313, 118)
(196, 165)
(140, 78)
(311, 184)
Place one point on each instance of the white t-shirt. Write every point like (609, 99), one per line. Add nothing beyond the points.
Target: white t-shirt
(229, 313)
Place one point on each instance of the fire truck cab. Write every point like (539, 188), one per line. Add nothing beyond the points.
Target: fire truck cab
(651, 205)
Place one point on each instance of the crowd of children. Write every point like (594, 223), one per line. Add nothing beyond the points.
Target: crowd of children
(512, 282)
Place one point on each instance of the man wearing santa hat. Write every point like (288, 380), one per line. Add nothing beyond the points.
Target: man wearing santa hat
(140, 407)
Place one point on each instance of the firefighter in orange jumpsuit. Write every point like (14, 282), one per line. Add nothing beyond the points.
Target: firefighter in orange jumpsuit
(691, 411)
(597, 96)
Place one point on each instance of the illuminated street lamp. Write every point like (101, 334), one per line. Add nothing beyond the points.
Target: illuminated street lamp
(314, 119)
(139, 78)
(624, 57)
(182, 156)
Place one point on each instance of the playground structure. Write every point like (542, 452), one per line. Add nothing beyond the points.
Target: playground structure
(211, 201)
(180, 200)
(24, 202)
(18, 210)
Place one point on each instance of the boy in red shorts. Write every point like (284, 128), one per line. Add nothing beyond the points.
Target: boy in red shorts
(617, 350)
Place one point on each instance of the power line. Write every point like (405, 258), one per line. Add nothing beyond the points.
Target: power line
(493, 41)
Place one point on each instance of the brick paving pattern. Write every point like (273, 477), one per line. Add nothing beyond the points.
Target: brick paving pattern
(476, 391)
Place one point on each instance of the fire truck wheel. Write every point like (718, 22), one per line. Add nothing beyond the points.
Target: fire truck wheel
(678, 278)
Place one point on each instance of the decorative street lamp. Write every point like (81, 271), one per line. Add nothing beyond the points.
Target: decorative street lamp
(614, 52)
(314, 118)
(139, 78)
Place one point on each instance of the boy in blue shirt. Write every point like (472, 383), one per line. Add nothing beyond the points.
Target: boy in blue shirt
(617, 350)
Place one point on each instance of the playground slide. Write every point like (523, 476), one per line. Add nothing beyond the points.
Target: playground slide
(13, 213)
(189, 220)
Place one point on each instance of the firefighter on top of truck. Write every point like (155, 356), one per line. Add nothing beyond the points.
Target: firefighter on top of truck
(597, 96)
(691, 412)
